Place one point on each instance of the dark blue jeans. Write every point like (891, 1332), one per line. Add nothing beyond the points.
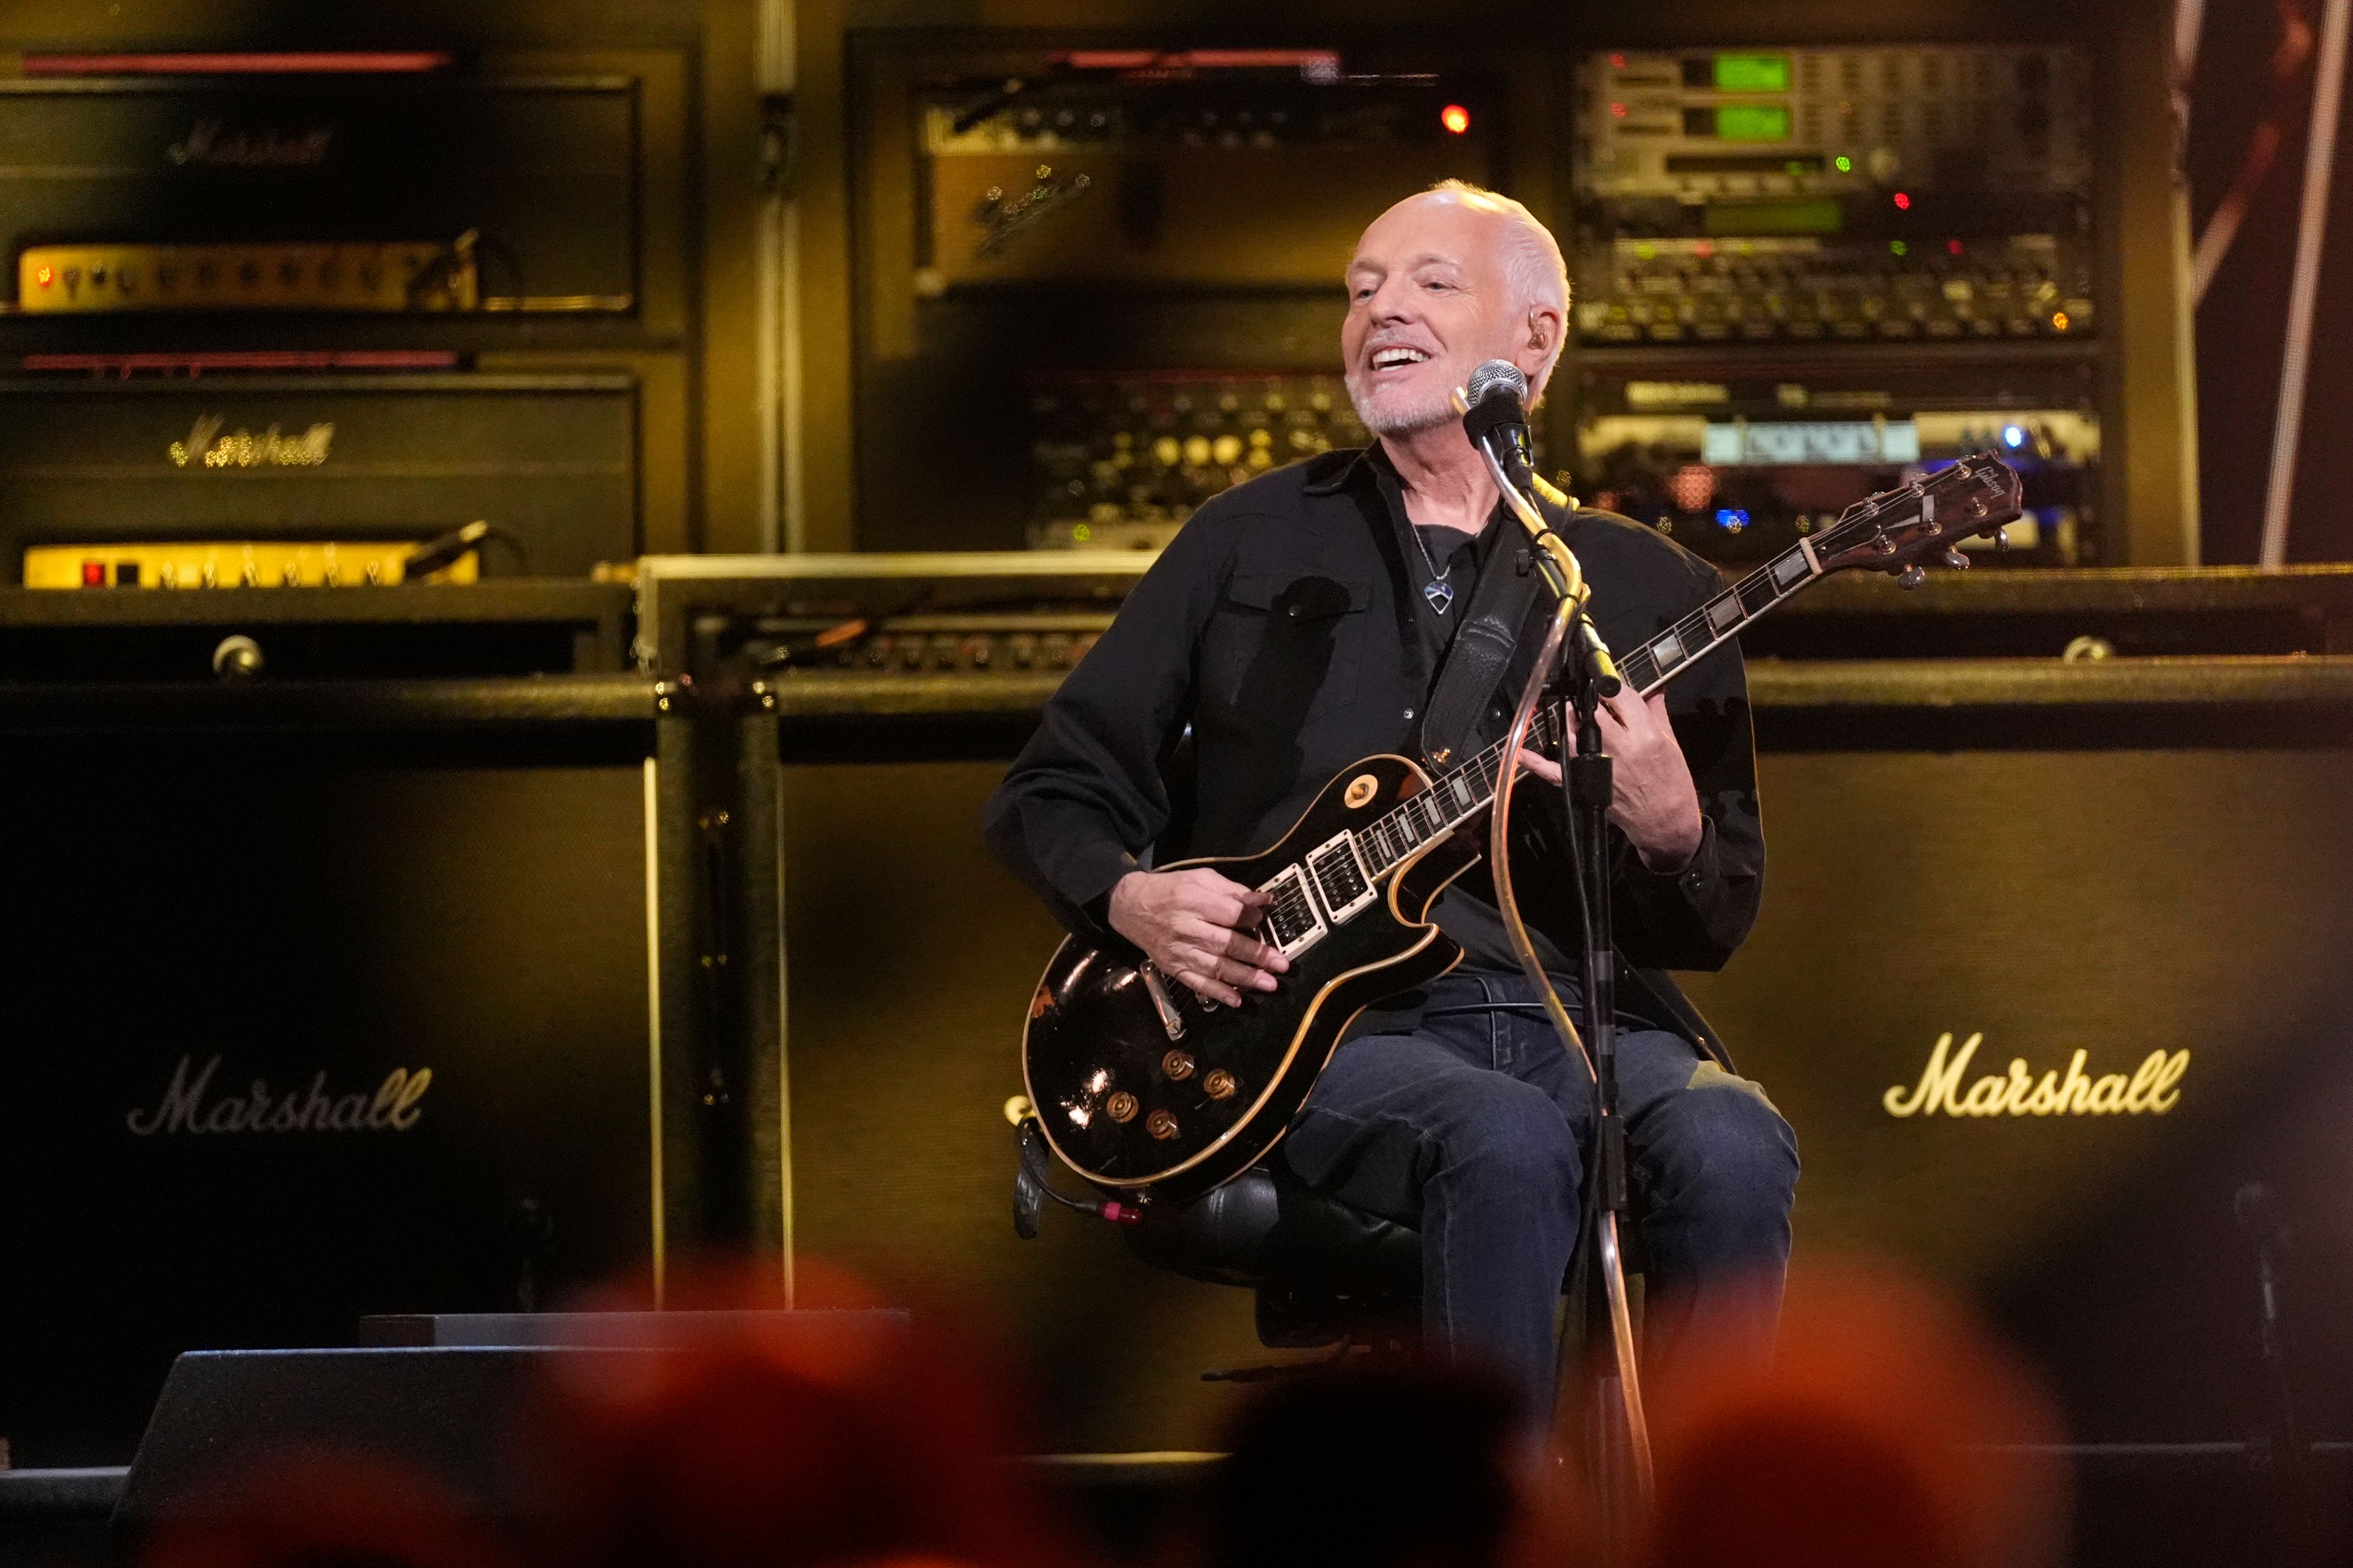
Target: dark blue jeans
(1473, 1129)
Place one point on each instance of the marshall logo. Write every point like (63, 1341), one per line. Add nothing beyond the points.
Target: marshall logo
(191, 1106)
(209, 145)
(207, 448)
(2153, 1088)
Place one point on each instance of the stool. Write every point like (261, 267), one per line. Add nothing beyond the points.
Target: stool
(1324, 1273)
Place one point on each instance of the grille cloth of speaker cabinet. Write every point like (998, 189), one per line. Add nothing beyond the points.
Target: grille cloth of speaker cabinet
(234, 962)
(2118, 901)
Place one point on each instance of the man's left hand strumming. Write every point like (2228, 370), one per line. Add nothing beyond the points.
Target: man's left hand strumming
(1651, 797)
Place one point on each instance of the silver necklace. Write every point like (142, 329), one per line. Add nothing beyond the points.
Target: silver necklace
(1438, 590)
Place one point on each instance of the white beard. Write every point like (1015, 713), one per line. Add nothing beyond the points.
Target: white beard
(1396, 411)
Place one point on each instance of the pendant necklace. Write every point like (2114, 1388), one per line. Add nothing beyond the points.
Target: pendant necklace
(1438, 590)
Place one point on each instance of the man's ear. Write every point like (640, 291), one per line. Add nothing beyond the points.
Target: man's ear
(1544, 328)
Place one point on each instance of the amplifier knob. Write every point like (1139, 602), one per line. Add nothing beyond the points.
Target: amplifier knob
(1219, 1083)
(1121, 1107)
(1177, 1065)
(1161, 1125)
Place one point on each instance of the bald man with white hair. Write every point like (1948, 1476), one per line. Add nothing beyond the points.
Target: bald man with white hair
(1300, 622)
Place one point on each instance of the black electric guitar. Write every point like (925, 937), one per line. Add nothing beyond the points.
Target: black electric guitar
(1143, 1088)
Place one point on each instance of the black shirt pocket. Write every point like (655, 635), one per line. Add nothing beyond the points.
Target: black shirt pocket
(1285, 645)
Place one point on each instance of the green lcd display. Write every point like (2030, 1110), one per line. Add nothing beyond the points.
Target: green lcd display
(1753, 122)
(1800, 215)
(1752, 73)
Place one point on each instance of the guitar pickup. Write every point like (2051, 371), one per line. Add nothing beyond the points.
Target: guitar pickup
(1292, 919)
(1340, 884)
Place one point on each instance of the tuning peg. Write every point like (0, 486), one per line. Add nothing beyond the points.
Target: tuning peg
(1954, 559)
(1910, 577)
(2001, 540)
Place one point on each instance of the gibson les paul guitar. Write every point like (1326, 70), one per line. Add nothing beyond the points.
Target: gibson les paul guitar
(1148, 1090)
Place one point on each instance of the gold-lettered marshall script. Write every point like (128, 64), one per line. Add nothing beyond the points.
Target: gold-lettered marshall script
(2152, 1089)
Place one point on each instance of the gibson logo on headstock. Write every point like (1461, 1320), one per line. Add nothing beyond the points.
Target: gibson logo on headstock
(2153, 1088)
(207, 448)
(190, 1106)
(210, 145)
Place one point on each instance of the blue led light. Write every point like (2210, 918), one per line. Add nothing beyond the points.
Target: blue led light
(1731, 519)
(2013, 436)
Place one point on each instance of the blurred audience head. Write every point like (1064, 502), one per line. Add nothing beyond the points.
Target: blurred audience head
(803, 1440)
(1885, 1432)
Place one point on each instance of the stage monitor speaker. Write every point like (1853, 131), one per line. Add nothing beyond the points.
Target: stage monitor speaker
(443, 1413)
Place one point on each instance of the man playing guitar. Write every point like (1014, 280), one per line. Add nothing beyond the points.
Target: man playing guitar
(1300, 622)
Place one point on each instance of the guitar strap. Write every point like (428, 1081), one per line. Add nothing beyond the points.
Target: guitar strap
(1483, 649)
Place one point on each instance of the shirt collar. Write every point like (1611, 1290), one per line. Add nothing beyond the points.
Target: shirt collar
(1371, 466)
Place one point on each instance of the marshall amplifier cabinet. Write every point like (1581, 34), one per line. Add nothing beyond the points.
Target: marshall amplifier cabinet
(333, 998)
(358, 462)
(163, 191)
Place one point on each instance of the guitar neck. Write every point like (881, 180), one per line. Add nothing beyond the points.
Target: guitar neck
(1462, 792)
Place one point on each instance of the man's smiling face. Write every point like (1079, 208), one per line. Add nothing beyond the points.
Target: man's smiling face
(1428, 302)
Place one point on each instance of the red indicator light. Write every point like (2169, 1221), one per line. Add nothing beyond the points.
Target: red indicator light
(1618, 111)
(93, 573)
(1455, 117)
(44, 276)
(1903, 201)
(1704, 248)
(1617, 62)
(1953, 246)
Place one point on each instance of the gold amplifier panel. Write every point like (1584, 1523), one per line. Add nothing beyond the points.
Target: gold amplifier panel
(232, 563)
(420, 276)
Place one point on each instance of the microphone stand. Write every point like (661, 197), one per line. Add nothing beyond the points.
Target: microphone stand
(1586, 778)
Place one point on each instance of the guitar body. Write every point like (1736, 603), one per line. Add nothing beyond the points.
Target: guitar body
(1165, 1095)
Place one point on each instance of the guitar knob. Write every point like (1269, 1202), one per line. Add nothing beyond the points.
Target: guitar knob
(1219, 1084)
(1910, 577)
(1121, 1107)
(1161, 1125)
(1178, 1065)
(1954, 559)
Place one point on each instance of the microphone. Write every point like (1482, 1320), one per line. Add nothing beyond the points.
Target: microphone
(1496, 416)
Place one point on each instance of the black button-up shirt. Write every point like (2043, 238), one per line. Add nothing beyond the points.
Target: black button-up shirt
(1283, 636)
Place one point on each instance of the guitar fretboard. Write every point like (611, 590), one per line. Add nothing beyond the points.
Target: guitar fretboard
(1886, 532)
(1456, 796)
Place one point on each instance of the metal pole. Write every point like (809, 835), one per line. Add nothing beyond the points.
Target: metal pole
(2319, 161)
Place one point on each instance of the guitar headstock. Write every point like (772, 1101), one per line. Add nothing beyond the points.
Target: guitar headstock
(1894, 530)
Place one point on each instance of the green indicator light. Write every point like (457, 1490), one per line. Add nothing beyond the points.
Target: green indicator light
(1752, 73)
(1898, 246)
(1646, 252)
(1753, 122)
(1845, 164)
(1082, 533)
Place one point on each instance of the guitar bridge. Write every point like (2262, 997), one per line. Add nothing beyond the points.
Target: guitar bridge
(1292, 919)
